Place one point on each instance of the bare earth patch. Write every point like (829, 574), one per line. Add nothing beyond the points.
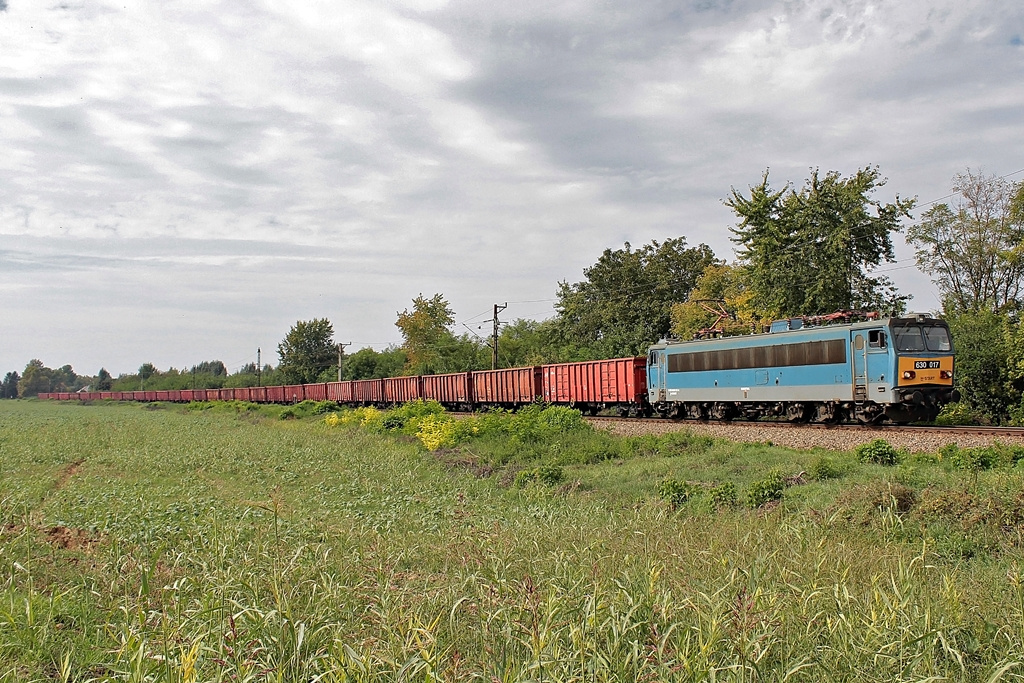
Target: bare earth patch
(68, 538)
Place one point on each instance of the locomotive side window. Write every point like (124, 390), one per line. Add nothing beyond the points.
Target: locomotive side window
(876, 339)
(823, 352)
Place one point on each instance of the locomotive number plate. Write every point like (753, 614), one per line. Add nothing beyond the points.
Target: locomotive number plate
(926, 364)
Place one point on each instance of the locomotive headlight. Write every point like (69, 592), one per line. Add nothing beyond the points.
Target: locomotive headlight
(945, 374)
(909, 374)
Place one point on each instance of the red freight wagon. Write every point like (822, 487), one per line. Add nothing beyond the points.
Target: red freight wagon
(448, 390)
(593, 385)
(275, 394)
(509, 388)
(258, 394)
(367, 391)
(402, 389)
(161, 395)
(106, 395)
(293, 393)
(188, 395)
(213, 394)
(149, 395)
(316, 392)
(340, 391)
(174, 395)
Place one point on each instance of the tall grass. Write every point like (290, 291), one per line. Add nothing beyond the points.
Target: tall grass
(209, 547)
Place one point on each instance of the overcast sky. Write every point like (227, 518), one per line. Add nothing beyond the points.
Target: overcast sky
(183, 181)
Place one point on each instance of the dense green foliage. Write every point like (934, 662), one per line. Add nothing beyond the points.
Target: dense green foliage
(214, 544)
(307, 353)
(988, 370)
(879, 452)
(367, 363)
(624, 303)
(37, 379)
(9, 386)
(808, 252)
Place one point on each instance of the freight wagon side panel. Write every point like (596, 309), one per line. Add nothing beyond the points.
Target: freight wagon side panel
(402, 389)
(275, 394)
(367, 391)
(511, 386)
(340, 391)
(450, 389)
(293, 393)
(615, 381)
(316, 392)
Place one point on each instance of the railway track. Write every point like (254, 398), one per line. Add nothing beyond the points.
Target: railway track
(809, 436)
(1009, 432)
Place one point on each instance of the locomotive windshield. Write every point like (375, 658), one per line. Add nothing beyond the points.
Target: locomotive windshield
(912, 337)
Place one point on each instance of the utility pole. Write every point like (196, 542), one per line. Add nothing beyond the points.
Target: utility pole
(341, 357)
(259, 368)
(494, 343)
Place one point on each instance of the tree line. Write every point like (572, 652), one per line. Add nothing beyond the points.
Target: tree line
(810, 249)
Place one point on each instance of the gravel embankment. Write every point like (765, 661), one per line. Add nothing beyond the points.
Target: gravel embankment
(833, 438)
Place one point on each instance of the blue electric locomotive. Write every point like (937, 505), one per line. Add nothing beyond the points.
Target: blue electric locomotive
(900, 369)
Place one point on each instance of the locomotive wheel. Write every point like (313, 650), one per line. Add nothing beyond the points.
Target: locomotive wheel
(827, 413)
(722, 411)
(796, 412)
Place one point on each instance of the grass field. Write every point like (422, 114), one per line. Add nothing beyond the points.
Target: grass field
(227, 545)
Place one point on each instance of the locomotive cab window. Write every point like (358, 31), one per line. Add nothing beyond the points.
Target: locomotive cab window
(909, 338)
(937, 339)
(876, 339)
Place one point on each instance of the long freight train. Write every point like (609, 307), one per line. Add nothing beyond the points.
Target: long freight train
(896, 369)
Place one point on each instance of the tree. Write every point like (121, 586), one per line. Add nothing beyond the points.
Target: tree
(308, 351)
(426, 332)
(973, 248)
(35, 379)
(212, 367)
(624, 303)
(988, 361)
(527, 342)
(9, 387)
(722, 288)
(808, 252)
(146, 370)
(370, 364)
(103, 380)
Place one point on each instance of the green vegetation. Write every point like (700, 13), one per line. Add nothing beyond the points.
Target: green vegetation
(879, 452)
(809, 251)
(308, 353)
(223, 544)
